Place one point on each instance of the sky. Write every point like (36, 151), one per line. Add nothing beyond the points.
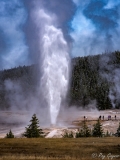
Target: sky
(89, 27)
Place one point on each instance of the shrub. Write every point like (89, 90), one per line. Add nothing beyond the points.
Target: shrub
(118, 131)
(68, 135)
(10, 134)
(84, 132)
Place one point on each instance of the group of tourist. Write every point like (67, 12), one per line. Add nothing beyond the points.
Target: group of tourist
(102, 117)
(109, 117)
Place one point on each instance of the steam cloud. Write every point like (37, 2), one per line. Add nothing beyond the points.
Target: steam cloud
(95, 27)
(54, 63)
(13, 48)
(112, 76)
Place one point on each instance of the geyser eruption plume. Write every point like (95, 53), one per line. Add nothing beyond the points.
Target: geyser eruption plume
(54, 63)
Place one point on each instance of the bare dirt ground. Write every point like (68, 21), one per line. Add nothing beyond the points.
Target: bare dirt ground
(71, 122)
(12, 120)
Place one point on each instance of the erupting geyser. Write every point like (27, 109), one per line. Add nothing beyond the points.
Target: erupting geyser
(54, 63)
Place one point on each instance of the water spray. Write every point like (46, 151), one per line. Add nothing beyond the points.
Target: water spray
(54, 64)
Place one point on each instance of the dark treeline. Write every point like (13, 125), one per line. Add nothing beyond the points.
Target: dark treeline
(89, 81)
(15, 82)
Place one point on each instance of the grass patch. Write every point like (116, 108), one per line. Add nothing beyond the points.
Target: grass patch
(40, 148)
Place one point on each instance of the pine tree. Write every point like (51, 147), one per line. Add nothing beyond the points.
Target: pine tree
(84, 132)
(33, 131)
(118, 131)
(10, 134)
(97, 130)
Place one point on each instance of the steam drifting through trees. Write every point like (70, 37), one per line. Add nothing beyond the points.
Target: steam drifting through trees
(89, 82)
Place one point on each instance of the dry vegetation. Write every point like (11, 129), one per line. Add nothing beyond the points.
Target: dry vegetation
(64, 149)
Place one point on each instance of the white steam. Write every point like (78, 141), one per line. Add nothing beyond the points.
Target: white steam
(114, 93)
(54, 63)
(112, 76)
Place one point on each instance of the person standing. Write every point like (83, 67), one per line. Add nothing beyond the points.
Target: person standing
(103, 118)
(99, 117)
(84, 118)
